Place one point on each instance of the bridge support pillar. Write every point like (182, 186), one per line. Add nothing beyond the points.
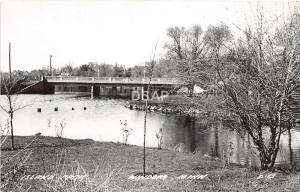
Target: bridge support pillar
(47, 88)
(95, 91)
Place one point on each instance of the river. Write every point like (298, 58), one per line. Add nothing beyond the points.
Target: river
(101, 122)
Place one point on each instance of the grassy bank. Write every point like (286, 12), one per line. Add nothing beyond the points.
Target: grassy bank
(108, 167)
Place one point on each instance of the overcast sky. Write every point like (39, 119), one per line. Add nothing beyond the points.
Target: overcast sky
(123, 32)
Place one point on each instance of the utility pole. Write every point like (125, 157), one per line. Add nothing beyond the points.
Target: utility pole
(51, 65)
(144, 70)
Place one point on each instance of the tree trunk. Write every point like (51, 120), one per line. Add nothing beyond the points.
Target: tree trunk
(277, 141)
(290, 148)
(12, 131)
(145, 129)
(217, 141)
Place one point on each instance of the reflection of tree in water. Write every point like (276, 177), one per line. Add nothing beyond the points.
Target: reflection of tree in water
(212, 137)
(174, 131)
(226, 143)
(191, 132)
(216, 151)
(203, 131)
(238, 149)
(215, 143)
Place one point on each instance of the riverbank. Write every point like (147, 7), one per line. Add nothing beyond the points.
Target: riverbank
(199, 106)
(165, 108)
(106, 166)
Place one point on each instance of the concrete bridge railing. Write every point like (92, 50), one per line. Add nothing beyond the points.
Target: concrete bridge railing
(121, 80)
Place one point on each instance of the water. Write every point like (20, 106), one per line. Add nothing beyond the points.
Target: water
(101, 122)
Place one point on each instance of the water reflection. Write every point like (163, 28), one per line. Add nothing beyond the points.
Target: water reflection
(101, 121)
(212, 138)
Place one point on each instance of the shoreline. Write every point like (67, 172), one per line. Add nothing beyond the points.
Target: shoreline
(180, 105)
(165, 108)
(172, 104)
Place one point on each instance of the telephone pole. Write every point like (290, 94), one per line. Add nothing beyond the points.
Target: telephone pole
(144, 70)
(51, 65)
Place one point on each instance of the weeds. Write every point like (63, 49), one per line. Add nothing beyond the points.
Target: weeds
(159, 136)
(60, 128)
(78, 179)
(13, 167)
(4, 131)
(126, 131)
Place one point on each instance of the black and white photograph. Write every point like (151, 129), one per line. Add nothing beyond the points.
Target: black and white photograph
(150, 95)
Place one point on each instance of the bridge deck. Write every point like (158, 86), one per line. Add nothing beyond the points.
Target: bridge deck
(111, 80)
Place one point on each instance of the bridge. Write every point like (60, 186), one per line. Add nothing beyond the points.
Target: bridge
(111, 80)
(110, 86)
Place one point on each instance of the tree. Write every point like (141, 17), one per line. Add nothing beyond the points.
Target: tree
(145, 116)
(119, 71)
(128, 72)
(87, 70)
(11, 85)
(35, 75)
(256, 75)
(165, 68)
(141, 70)
(68, 69)
(105, 70)
(258, 78)
(152, 64)
(188, 50)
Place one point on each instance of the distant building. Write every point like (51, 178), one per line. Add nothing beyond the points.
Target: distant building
(65, 74)
(198, 90)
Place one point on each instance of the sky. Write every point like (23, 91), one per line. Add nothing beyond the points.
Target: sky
(123, 32)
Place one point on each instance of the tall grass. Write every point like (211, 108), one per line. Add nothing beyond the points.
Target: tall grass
(96, 179)
(13, 167)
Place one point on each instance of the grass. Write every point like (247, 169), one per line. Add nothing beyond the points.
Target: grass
(108, 167)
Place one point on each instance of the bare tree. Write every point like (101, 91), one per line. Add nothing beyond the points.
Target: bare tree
(11, 87)
(258, 77)
(186, 49)
(152, 64)
(255, 76)
(189, 50)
